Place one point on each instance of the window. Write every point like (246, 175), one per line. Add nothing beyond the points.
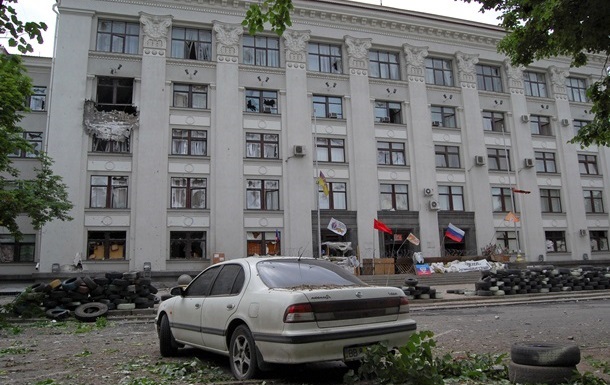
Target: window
(327, 107)
(191, 43)
(443, 117)
(261, 50)
(188, 193)
(507, 240)
(337, 196)
(388, 112)
(488, 78)
(262, 194)
(451, 198)
(545, 161)
(330, 150)
(593, 201)
(384, 65)
(540, 125)
(261, 101)
(263, 243)
(493, 121)
(391, 153)
(555, 241)
(535, 84)
(588, 164)
(35, 140)
(324, 58)
(200, 286)
(118, 36)
(230, 281)
(12, 250)
(498, 159)
(501, 199)
(115, 94)
(394, 197)
(550, 200)
(187, 245)
(262, 146)
(577, 89)
(38, 99)
(190, 96)
(189, 142)
(439, 72)
(109, 146)
(108, 192)
(447, 156)
(106, 245)
(578, 124)
(599, 240)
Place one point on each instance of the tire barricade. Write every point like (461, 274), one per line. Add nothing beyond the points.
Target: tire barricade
(413, 290)
(88, 298)
(545, 279)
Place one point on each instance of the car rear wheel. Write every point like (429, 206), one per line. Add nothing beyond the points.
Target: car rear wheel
(242, 353)
(167, 344)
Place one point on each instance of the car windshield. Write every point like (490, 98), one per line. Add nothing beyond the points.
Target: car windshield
(305, 273)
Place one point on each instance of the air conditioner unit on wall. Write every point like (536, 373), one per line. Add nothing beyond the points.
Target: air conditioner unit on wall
(434, 205)
(428, 191)
(385, 119)
(332, 115)
(298, 150)
(528, 162)
(525, 118)
(267, 109)
(479, 160)
(436, 124)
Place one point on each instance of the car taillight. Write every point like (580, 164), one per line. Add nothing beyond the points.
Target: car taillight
(301, 312)
(404, 305)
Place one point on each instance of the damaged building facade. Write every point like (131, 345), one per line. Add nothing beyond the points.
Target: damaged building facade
(181, 137)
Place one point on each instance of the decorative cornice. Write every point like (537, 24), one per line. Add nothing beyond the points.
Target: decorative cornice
(558, 82)
(416, 70)
(358, 53)
(296, 48)
(466, 69)
(515, 78)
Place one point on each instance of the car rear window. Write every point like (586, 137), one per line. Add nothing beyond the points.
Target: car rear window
(307, 273)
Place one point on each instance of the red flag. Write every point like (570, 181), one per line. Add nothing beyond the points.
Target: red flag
(381, 226)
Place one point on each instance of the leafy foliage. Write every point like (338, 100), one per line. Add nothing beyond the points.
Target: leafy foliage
(43, 198)
(16, 29)
(276, 13)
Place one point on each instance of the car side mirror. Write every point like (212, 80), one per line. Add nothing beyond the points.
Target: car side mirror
(177, 290)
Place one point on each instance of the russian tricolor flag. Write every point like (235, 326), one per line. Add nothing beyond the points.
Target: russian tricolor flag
(454, 233)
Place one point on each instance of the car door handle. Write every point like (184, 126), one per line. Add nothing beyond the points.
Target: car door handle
(230, 306)
(197, 306)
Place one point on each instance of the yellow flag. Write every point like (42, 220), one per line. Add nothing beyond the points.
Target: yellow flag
(511, 217)
(322, 182)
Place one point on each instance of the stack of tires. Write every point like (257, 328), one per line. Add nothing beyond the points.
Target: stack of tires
(413, 290)
(89, 298)
(543, 363)
(544, 279)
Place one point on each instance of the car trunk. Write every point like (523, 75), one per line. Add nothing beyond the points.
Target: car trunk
(353, 306)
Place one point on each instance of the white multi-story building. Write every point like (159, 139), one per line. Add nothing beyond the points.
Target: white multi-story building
(180, 136)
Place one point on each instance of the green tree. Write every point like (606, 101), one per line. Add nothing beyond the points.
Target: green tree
(16, 29)
(536, 29)
(44, 197)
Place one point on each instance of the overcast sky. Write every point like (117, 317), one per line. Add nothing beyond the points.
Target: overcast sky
(41, 10)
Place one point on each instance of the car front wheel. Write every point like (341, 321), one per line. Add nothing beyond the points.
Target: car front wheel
(242, 354)
(167, 344)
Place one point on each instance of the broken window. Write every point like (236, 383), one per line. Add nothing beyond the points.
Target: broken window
(263, 243)
(191, 43)
(189, 142)
(111, 146)
(115, 94)
(388, 112)
(35, 140)
(187, 245)
(118, 36)
(37, 101)
(261, 101)
(327, 107)
(188, 193)
(109, 192)
(324, 58)
(264, 146)
(12, 250)
(106, 245)
(262, 194)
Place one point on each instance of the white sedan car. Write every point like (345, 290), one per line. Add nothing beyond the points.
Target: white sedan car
(288, 310)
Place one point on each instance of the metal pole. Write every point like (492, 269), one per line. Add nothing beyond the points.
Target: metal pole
(512, 194)
(315, 155)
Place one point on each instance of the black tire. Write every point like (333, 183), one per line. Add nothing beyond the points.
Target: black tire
(242, 354)
(550, 375)
(71, 283)
(411, 281)
(101, 281)
(545, 354)
(113, 275)
(58, 313)
(89, 312)
(90, 283)
(167, 343)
